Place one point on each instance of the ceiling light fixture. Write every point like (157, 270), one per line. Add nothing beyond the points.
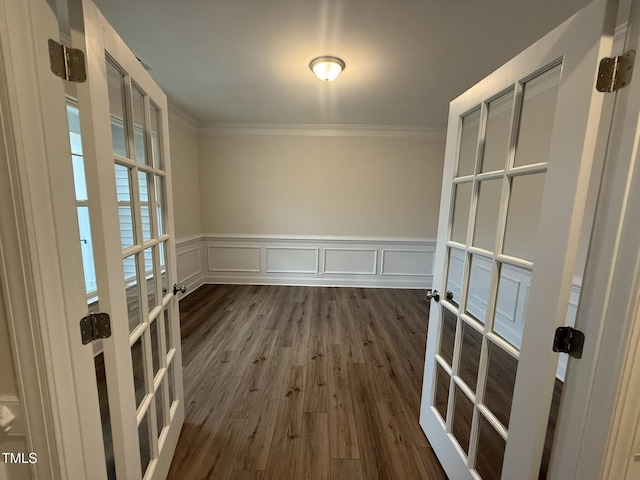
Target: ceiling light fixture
(327, 68)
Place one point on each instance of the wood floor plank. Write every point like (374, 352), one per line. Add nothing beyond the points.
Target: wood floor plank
(345, 469)
(251, 388)
(343, 440)
(400, 441)
(374, 451)
(219, 460)
(255, 447)
(316, 394)
(287, 436)
(247, 475)
(314, 453)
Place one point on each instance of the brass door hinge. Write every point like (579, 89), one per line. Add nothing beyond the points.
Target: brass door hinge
(66, 62)
(616, 72)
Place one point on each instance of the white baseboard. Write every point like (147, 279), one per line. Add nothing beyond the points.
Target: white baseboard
(371, 262)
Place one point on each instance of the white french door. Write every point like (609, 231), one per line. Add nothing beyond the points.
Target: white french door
(519, 153)
(124, 123)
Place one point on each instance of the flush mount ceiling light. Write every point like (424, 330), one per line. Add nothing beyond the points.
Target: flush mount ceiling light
(327, 68)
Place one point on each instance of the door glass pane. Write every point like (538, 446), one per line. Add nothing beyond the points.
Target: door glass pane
(455, 274)
(479, 287)
(537, 117)
(160, 204)
(125, 210)
(470, 355)
(79, 179)
(462, 417)
(167, 330)
(144, 431)
(149, 266)
(163, 268)
(490, 455)
(105, 415)
(139, 124)
(172, 385)
(156, 138)
(132, 288)
(442, 391)
(448, 337)
(468, 143)
(496, 143)
(145, 210)
(551, 429)
(484, 235)
(461, 205)
(75, 134)
(160, 408)
(139, 370)
(155, 346)
(115, 80)
(501, 379)
(86, 246)
(522, 216)
(511, 306)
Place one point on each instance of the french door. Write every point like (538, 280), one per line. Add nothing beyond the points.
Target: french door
(125, 138)
(519, 153)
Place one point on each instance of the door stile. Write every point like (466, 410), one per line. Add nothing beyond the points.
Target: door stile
(172, 270)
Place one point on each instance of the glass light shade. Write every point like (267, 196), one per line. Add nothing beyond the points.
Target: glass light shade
(327, 68)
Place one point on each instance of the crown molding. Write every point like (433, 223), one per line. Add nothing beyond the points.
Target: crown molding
(321, 130)
(183, 118)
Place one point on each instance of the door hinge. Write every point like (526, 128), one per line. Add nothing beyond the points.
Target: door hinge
(95, 326)
(568, 340)
(616, 72)
(66, 62)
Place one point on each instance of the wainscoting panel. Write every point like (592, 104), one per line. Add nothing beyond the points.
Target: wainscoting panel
(233, 258)
(189, 263)
(292, 259)
(306, 260)
(407, 263)
(350, 261)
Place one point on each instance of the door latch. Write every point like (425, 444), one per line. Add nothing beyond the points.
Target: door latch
(568, 340)
(179, 288)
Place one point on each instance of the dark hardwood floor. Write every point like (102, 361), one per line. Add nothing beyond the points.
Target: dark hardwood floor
(300, 382)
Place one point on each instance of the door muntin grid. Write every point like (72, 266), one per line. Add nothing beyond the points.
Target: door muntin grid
(475, 308)
(137, 153)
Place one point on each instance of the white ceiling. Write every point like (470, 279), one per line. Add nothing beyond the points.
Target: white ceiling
(246, 61)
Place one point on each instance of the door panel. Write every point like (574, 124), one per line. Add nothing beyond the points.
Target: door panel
(519, 151)
(124, 122)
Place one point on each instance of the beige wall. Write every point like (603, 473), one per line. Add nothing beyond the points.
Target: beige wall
(320, 185)
(185, 172)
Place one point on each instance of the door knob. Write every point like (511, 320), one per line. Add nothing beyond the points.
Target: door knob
(179, 288)
(433, 295)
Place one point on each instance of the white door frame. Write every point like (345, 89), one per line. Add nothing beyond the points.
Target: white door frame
(47, 266)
